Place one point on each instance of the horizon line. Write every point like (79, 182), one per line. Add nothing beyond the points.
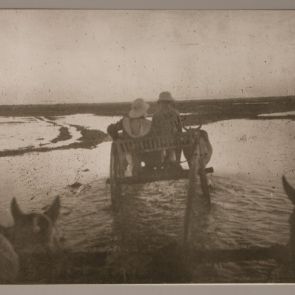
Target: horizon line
(153, 101)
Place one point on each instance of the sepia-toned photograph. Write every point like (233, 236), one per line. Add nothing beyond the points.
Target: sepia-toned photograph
(147, 146)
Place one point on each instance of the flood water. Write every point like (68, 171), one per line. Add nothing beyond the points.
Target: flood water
(249, 207)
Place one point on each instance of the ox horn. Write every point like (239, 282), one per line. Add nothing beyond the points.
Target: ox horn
(290, 191)
(16, 212)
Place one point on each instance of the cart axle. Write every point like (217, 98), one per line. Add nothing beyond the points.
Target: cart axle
(157, 176)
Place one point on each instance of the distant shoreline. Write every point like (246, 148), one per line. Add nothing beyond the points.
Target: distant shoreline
(209, 109)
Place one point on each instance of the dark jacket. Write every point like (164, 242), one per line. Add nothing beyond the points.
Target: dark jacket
(166, 122)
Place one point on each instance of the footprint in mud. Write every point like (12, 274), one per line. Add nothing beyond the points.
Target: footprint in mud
(76, 187)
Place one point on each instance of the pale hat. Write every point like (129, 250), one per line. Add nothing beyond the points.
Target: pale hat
(138, 108)
(165, 96)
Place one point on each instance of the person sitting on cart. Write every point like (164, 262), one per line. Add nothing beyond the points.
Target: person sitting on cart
(134, 125)
(167, 122)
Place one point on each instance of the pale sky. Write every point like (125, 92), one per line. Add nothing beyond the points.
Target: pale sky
(53, 56)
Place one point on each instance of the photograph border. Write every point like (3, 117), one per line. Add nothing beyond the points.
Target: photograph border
(150, 4)
(220, 289)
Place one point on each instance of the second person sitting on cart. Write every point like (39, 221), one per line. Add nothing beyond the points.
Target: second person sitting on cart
(167, 122)
(134, 125)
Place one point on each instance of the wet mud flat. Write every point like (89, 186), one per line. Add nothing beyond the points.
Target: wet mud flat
(89, 139)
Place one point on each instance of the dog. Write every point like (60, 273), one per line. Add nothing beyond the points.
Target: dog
(31, 234)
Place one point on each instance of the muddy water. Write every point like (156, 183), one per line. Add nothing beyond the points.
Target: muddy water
(151, 217)
(242, 215)
(249, 207)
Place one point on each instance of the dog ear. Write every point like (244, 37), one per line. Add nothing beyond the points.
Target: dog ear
(290, 191)
(16, 212)
(53, 211)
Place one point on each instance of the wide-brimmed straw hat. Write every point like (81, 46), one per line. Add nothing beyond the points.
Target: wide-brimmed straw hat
(166, 97)
(138, 108)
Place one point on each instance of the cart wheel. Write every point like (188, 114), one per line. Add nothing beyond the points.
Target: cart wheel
(204, 184)
(114, 172)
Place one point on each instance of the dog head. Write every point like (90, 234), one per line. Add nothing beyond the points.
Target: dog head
(34, 232)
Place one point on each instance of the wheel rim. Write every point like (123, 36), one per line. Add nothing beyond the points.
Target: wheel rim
(114, 166)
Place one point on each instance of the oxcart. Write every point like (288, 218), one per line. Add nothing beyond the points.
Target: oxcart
(197, 150)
